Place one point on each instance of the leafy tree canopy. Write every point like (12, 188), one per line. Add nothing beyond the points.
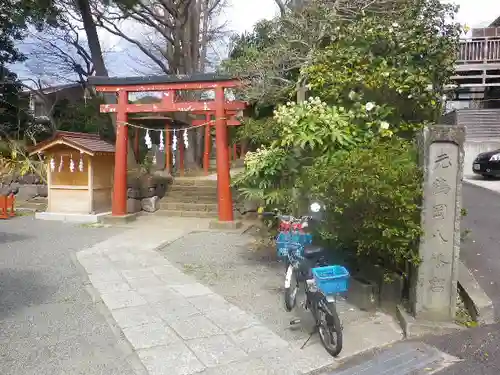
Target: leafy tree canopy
(83, 116)
(15, 19)
(401, 62)
(374, 75)
(10, 102)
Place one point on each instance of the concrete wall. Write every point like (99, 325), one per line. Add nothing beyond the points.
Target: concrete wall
(473, 148)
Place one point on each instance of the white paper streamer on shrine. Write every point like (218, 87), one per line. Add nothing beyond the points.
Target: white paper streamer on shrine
(52, 164)
(71, 164)
(161, 146)
(61, 164)
(80, 164)
(174, 142)
(185, 136)
(147, 140)
(174, 147)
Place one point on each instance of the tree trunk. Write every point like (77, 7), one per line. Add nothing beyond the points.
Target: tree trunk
(202, 21)
(92, 38)
(99, 65)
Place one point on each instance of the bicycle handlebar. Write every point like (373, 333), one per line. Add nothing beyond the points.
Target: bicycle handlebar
(260, 213)
(273, 214)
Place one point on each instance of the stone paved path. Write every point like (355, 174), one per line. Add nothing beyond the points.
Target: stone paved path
(179, 326)
(253, 281)
(49, 324)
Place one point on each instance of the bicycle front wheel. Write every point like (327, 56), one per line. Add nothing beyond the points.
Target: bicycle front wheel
(330, 328)
(291, 288)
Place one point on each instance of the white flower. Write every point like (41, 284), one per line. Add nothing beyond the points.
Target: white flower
(369, 106)
(384, 125)
(352, 95)
(395, 24)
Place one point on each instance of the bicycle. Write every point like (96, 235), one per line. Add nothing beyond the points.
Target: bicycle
(306, 264)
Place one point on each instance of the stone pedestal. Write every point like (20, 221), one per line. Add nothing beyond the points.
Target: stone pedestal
(133, 205)
(435, 282)
(225, 225)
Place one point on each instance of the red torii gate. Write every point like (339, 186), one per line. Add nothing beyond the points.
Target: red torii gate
(231, 121)
(168, 86)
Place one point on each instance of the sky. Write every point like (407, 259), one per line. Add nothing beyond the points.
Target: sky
(246, 13)
(243, 14)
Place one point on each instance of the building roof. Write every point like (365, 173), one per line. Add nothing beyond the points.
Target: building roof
(53, 89)
(174, 78)
(86, 143)
(495, 23)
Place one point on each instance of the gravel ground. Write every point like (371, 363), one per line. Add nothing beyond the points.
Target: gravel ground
(247, 278)
(48, 322)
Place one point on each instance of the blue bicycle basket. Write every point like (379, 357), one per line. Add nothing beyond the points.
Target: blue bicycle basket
(282, 244)
(291, 240)
(331, 279)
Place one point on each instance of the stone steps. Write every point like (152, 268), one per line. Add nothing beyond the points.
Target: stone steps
(188, 206)
(181, 191)
(190, 197)
(201, 199)
(201, 214)
(185, 181)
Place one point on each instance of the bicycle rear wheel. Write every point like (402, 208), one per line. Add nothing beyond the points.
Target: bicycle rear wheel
(330, 328)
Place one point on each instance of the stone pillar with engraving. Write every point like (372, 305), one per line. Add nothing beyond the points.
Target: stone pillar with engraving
(434, 294)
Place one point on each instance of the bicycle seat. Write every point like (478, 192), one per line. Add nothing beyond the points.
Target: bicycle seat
(311, 251)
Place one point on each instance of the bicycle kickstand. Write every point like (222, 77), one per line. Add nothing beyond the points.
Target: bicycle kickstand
(309, 338)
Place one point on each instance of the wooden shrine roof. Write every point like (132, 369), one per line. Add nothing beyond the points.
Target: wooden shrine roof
(161, 79)
(90, 144)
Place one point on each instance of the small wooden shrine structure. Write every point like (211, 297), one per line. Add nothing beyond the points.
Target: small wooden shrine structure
(170, 87)
(79, 173)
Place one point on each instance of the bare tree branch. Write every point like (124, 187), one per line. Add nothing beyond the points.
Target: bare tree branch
(281, 6)
(282, 46)
(177, 34)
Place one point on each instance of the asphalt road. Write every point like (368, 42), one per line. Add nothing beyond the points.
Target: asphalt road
(481, 250)
(48, 323)
(478, 348)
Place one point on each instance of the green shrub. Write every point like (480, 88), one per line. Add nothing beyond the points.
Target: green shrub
(372, 196)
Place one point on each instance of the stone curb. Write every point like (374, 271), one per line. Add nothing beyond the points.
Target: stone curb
(468, 182)
(477, 302)
(415, 327)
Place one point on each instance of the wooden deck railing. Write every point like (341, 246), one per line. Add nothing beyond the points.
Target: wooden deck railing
(479, 51)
